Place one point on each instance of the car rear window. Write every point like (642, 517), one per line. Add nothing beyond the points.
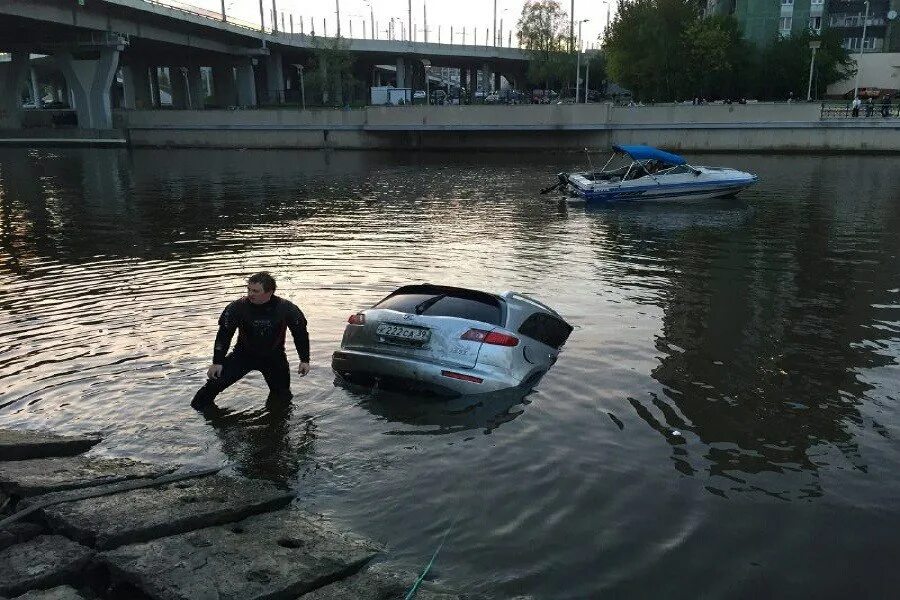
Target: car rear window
(445, 302)
(546, 329)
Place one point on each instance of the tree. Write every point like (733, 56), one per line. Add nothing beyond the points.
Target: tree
(717, 61)
(664, 49)
(543, 32)
(784, 65)
(333, 72)
(645, 47)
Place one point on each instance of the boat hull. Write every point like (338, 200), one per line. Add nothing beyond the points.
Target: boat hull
(709, 184)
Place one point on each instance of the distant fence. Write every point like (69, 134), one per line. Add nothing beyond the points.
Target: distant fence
(844, 110)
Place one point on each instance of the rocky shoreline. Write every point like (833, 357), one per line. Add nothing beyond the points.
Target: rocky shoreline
(77, 527)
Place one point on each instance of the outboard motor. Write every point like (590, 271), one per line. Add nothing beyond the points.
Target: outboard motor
(563, 180)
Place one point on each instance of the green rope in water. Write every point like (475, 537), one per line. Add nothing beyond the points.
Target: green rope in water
(415, 587)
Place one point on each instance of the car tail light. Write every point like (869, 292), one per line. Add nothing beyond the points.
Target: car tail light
(461, 376)
(357, 319)
(495, 338)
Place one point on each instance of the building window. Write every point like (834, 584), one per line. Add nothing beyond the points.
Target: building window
(817, 2)
(815, 24)
(784, 25)
(787, 2)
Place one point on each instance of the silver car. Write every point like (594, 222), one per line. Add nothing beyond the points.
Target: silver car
(451, 341)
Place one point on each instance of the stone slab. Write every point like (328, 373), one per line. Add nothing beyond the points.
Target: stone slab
(149, 513)
(273, 556)
(44, 475)
(16, 533)
(378, 582)
(23, 445)
(43, 562)
(63, 592)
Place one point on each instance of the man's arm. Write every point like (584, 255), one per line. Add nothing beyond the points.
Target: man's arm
(228, 324)
(296, 322)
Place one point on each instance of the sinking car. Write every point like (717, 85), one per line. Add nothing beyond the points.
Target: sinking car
(451, 341)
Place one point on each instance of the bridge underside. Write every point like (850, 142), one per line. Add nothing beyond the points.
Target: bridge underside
(106, 55)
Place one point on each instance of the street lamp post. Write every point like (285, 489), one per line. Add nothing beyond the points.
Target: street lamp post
(427, 64)
(862, 45)
(338, 13)
(814, 45)
(302, 87)
(587, 76)
(371, 18)
(572, 28)
(495, 23)
(578, 60)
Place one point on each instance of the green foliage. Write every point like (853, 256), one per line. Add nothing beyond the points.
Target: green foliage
(664, 50)
(645, 49)
(543, 26)
(543, 30)
(786, 65)
(717, 57)
(332, 78)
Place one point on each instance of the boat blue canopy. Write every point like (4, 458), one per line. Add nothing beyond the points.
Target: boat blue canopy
(646, 152)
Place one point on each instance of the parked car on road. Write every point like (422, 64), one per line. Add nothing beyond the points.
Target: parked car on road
(452, 341)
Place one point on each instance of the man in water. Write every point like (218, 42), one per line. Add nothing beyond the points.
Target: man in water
(261, 319)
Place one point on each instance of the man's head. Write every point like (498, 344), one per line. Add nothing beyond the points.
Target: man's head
(260, 287)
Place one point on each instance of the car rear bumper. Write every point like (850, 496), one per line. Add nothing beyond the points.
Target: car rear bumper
(366, 368)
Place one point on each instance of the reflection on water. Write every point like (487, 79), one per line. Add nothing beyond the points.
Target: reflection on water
(729, 395)
(432, 415)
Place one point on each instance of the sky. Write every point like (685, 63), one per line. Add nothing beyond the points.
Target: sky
(443, 13)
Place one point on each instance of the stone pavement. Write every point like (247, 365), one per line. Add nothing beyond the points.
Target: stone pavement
(145, 534)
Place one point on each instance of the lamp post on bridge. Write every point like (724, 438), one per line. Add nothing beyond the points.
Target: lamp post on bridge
(302, 87)
(814, 45)
(578, 59)
(862, 45)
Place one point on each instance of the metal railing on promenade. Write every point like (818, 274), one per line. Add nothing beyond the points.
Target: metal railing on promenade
(844, 110)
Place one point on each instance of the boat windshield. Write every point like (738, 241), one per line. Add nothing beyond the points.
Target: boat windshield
(621, 167)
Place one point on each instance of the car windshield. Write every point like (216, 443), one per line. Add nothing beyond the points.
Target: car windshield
(445, 302)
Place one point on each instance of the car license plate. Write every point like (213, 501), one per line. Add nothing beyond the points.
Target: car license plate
(404, 333)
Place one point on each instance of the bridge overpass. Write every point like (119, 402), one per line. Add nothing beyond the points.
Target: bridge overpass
(93, 41)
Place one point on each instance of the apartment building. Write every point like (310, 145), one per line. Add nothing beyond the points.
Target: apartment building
(762, 20)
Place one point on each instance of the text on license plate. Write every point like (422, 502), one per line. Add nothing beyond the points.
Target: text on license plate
(411, 334)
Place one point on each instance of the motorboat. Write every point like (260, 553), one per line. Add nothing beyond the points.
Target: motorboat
(651, 175)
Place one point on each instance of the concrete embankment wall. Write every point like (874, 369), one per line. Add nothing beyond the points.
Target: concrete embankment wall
(751, 128)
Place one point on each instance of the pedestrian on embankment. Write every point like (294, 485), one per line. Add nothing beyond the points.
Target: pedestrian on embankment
(261, 320)
(886, 107)
(870, 106)
(855, 105)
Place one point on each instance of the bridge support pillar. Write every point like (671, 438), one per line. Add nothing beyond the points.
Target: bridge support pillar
(90, 81)
(196, 89)
(155, 99)
(223, 86)
(246, 83)
(496, 81)
(136, 78)
(274, 78)
(36, 90)
(401, 73)
(12, 82)
(179, 87)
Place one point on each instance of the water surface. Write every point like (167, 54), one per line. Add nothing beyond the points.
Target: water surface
(722, 423)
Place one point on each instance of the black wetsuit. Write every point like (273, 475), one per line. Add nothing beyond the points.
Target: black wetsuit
(260, 346)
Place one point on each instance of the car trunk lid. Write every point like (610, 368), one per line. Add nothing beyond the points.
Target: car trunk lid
(436, 339)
